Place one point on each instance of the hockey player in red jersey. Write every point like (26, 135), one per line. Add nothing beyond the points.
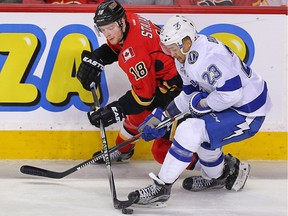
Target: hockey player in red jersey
(133, 41)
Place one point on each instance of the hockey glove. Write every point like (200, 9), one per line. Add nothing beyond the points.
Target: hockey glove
(198, 105)
(109, 114)
(148, 127)
(89, 70)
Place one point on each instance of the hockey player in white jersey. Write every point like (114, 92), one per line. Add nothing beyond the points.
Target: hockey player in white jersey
(228, 103)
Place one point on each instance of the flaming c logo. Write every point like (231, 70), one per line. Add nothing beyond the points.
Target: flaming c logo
(235, 37)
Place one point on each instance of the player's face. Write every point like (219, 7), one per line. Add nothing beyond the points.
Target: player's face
(175, 52)
(112, 32)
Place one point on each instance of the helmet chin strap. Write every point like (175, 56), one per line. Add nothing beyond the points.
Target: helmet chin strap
(125, 31)
(181, 49)
(184, 53)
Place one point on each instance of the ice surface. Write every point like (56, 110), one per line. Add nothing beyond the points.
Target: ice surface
(86, 192)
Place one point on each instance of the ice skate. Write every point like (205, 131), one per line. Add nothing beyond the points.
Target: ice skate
(239, 172)
(198, 183)
(234, 177)
(154, 195)
(116, 156)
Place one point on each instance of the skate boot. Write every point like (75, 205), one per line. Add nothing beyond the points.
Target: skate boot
(154, 195)
(116, 156)
(198, 183)
(234, 177)
(238, 174)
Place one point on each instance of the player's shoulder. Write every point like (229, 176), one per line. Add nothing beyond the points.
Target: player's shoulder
(207, 46)
(134, 26)
(204, 41)
(197, 51)
(134, 20)
(141, 33)
(130, 16)
(134, 17)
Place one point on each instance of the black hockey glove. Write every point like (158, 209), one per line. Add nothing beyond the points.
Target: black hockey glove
(109, 114)
(89, 70)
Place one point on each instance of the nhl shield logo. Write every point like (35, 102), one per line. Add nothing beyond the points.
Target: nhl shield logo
(192, 57)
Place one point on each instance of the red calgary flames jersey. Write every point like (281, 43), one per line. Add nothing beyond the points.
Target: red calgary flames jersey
(142, 59)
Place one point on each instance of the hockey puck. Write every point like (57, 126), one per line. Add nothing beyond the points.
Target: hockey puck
(127, 211)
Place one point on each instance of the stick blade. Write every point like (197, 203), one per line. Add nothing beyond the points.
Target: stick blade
(123, 204)
(31, 170)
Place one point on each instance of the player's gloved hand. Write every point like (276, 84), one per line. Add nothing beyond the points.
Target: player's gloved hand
(89, 70)
(198, 104)
(109, 114)
(148, 127)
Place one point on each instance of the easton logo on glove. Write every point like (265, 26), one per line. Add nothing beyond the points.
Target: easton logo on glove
(93, 62)
(116, 114)
(109, 114)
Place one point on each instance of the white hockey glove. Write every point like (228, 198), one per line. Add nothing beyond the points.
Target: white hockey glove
(198, 104)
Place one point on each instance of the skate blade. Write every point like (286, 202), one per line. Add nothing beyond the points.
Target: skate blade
(151, 205)
(244, 170)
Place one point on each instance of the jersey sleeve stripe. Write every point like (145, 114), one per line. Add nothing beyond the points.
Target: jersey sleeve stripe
(231, 84)
(139, 101)
(256, 103)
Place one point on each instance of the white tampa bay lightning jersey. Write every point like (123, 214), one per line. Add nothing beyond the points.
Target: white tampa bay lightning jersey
(229, 82)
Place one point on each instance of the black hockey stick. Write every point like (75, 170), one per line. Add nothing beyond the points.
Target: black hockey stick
(32, 170)
(118, 204)
(37, 171)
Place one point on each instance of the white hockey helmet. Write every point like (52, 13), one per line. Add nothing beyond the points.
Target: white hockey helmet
(176, 29)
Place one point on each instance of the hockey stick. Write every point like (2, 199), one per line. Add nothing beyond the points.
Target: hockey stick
(32, 170)
(118, 204)
(36, 171)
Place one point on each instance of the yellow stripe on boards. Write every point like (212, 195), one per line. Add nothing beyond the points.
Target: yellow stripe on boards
(82, 144)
